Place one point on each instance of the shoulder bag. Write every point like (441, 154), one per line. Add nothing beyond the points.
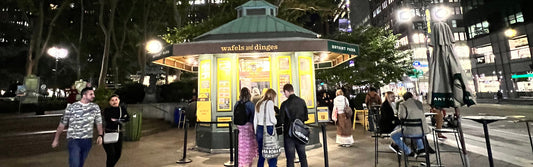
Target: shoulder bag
(298, 129)
(347, 110)
(112, 137)
(271, 148)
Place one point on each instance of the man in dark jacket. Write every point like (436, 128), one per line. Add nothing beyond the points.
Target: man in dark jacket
(297, 109)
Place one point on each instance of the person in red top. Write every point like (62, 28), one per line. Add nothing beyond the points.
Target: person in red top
(72, 93)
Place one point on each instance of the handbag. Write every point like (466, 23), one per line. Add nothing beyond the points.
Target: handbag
(347, 110)
(271, 148)
(112, 137)
(298, 129)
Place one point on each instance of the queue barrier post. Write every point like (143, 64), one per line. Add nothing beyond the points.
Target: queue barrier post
(184, 159)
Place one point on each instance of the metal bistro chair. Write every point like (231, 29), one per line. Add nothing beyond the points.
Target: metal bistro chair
(404, 123)
(456, 135)
(378, 133)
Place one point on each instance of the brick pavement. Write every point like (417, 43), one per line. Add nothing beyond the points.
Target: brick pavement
(165, 148)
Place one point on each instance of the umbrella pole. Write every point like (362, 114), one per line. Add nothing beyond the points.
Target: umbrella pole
(461, 137)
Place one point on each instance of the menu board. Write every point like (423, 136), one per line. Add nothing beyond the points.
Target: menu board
(254, 73)
(204, 104)
(224, 84)
(284, 75)
(307, 90)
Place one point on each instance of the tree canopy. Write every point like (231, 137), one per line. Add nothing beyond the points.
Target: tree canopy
(380, 62)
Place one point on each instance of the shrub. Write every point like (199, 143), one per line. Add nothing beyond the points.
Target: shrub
(131, 93)
(177, 91)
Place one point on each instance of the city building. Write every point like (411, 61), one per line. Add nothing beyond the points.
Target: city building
(408, 19)
(498, 35)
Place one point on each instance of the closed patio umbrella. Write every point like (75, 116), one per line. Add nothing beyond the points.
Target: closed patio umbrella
(447, 84)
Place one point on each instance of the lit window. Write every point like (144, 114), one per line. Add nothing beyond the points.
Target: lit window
(519, 48)
(478, 29)
(515, 18)
(384, 4)
(454, 23)
(483, 54)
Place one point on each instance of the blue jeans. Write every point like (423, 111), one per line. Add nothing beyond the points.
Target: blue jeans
(259, 137)
(396, 136)
(78, 149)
(292, 144)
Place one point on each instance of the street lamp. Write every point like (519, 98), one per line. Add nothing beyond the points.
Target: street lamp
(57, 53)
(441, 13)
(154, 46)
(509, 33)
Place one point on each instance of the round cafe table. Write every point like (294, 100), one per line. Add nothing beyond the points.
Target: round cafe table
(486, 120)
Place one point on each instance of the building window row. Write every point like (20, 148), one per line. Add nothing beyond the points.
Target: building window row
(483, 54)
(471, 4)
(519, 48)
(459, 36)
(478, 29)
(458, 10)
(454, 1)
(515, 18)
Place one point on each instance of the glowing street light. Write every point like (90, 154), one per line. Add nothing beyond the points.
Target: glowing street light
(509, 33)
(154, 46)
(57, 53)
(441, 13)
(405, 15)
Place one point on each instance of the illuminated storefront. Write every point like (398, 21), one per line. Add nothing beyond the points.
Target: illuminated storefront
(257, 51)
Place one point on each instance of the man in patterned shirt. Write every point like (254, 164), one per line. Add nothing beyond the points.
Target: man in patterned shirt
(80, 117)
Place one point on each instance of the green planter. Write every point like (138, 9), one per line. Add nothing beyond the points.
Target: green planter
(133, 127)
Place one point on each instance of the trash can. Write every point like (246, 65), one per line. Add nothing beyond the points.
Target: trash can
(133, 127)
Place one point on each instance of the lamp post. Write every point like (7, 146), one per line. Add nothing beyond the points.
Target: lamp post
(509, 33)
(57, 53)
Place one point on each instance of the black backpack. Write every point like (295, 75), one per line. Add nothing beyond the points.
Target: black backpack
(240, 117)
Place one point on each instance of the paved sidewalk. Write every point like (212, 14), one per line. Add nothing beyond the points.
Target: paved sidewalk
(165, 148)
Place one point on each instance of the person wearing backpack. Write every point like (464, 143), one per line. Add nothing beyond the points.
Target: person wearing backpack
(243, 117)
(296, 107)
(265, 116)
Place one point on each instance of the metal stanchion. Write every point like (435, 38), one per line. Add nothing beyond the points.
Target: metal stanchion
(184, 159)
(325, 140)
(236, 133)
(230, 162)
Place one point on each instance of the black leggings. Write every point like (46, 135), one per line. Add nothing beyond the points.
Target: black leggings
(113, 150)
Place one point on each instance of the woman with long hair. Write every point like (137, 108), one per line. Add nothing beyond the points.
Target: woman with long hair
(344, 126)
(114, 117)
(265, 113)
(247, 141)
(388, 119)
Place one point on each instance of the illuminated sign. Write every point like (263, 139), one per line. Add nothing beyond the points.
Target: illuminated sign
(343, 48)
(252, 47)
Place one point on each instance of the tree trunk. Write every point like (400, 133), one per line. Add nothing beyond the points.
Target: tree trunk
(107, 40)
(78, 57)
(143, 58)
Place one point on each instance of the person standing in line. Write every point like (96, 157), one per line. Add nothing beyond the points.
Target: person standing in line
(372, 99)
(114, 117)
(256, 95)
(80, 117)
(265, 111)
(296, 107)
(344, 127)
(247, 140)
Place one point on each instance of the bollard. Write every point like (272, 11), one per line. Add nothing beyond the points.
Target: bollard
(230, 162)
(325, 140)
(236, 133)
(184, 159)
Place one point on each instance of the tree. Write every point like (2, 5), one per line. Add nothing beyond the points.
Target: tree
(107, 34)
(37, 46)
(379, 62)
